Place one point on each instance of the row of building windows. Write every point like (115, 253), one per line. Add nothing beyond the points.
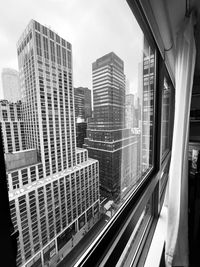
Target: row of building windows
(19, 178)
(44, 212)
(11, 112)
(13, 136)
(51, 35)
(56, 53)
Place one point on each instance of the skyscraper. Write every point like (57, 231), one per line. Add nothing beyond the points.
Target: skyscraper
(108, 92)
(10, 83)
(82, 101)
(53, 187)
(130, 111)
(107, 138)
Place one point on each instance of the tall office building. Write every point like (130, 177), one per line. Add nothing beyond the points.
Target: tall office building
(130, 111)
(108, 92)
(10, 83)
(82, 101)
(107, 139)
(137, 111)
(133, 111)
(53, 187)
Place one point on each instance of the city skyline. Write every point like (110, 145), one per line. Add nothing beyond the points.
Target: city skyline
(64, 185)
(73, 22)
(87, 106)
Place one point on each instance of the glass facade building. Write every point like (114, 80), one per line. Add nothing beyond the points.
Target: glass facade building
(82, 102)
(108, 140)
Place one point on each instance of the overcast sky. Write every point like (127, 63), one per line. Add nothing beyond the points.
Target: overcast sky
(93, 27)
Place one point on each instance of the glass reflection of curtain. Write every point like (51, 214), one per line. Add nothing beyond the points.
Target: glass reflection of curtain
(177, 228)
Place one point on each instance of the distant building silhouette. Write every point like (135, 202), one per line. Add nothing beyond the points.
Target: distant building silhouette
(11, 85)
(82, 101)
(129, 111)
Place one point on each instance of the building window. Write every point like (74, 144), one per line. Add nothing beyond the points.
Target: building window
(58, 51)
(24, 174)
(46, 48)
(38, 44)
(5, 115)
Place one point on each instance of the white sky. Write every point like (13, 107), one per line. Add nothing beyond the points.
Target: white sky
(93, 27)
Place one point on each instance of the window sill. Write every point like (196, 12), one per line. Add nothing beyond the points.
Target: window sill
(156, 248)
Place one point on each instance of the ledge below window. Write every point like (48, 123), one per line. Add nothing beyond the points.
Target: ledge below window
(157, 245)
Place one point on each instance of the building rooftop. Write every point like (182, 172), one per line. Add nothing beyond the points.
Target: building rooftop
(48, 179)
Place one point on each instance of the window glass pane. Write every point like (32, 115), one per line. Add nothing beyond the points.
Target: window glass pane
(80, 138)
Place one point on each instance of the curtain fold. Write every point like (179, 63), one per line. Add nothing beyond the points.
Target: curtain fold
(176, 250)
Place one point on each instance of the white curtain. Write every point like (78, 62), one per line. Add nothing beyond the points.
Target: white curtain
(176, 249)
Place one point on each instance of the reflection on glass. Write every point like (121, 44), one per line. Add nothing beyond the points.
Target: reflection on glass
(61, 194)
(120, 134)
(166, 96)
(148, 106)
